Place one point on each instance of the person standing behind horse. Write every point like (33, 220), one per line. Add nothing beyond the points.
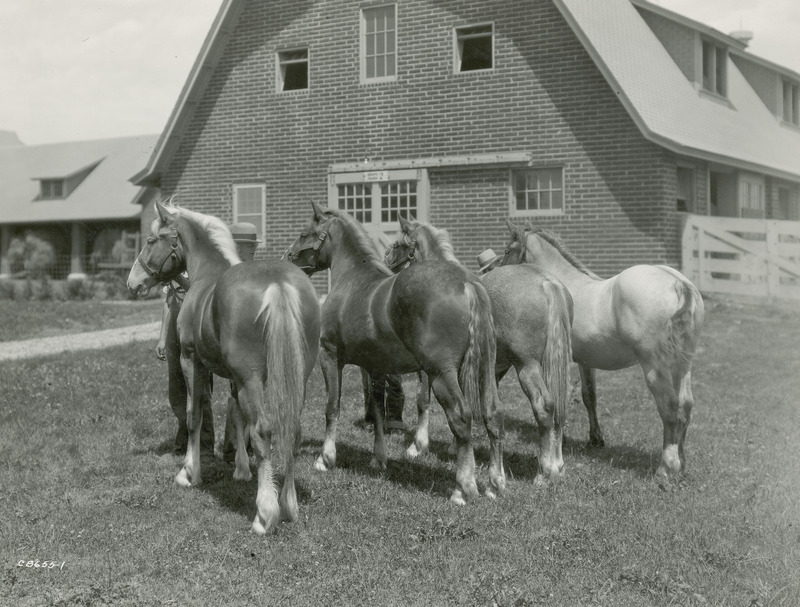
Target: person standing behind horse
(169, 349)
(246, 239)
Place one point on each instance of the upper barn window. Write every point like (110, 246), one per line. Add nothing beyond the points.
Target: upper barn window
(52, 188)
(293, 70)
(474, 48)
(790, 103)
(379, 43)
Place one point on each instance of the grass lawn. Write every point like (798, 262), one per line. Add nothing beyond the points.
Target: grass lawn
(29, 319)
(87, 473)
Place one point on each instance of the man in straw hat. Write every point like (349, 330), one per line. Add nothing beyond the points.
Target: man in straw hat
(488, 261)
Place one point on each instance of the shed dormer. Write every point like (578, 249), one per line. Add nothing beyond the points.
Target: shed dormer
(58, 187)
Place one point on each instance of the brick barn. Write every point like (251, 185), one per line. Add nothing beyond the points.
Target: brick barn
(605, 121)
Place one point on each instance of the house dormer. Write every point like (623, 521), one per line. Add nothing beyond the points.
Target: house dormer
(58, 187)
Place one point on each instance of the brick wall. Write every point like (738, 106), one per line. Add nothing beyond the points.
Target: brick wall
(545, 96)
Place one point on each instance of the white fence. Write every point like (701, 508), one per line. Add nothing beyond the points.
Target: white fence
(753, 257)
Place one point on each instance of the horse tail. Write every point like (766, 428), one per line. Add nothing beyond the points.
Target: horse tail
(476, 375)
(684, 326)
(558, 347)
(285, 349)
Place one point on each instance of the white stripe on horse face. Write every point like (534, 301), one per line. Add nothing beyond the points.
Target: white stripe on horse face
(137, 277)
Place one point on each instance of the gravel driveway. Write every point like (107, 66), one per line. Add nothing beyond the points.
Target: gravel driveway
(45, 346)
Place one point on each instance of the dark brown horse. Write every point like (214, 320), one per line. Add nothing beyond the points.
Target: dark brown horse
(532, 317)
(256, 323)
(650, 315)
(435, 317)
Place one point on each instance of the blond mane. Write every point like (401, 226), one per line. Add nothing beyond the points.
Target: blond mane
(216, 230)
(555, 241)
(441, 245)
(361, 239)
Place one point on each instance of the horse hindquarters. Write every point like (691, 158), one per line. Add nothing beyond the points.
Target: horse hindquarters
(279, 406)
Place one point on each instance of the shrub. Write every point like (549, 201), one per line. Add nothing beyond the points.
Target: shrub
(45, 289)
(7, 290)
(33, 255)
(79, 290)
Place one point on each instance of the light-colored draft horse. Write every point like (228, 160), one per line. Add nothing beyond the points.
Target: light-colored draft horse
(434, 316)
(646, 314)
(532, 317)
(254, 322)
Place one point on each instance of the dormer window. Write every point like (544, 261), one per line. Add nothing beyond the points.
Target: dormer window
(715, 68)
(52, 188)
(791, 103)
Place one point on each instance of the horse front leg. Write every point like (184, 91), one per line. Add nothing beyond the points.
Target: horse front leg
(589, 397)
(197, 383)
(421, 440)
(242, 471)
(379, 457)
(332, 373)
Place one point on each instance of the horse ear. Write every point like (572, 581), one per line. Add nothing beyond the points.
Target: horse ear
(511, 227)
(405, 225)
(164, 214)
(529, 226)
(318, 210)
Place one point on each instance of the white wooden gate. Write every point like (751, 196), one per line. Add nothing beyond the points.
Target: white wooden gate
(753, 257)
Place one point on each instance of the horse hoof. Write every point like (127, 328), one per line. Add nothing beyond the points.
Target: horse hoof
(490, 493)
(378, 465)
(242, 475)
(596, 443)
(182, 479)
(413, 452)
(457, 498)
(319, 464)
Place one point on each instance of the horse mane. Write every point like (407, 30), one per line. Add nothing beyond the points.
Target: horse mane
(441, 240)
(560, 246)
(216, 230)
(363, 242)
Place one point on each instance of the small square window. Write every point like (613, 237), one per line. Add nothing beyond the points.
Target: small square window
(537, 191)
(293, 70)
(52, 188)
(474, 48)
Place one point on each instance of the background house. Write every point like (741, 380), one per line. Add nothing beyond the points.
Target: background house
(74, 195)
(607, 122)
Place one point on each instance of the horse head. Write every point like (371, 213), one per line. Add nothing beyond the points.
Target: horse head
(308, 251)
(401, 253)
(516, 250)
(161, 259)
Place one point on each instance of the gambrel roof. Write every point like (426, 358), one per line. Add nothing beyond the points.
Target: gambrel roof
(667, 107)
(663, 103)
(105, 193)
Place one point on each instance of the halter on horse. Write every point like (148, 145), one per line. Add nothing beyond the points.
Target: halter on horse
(646, 314)
(270, 365)
(532, 317)
(435, 317)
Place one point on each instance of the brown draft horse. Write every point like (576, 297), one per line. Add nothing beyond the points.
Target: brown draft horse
(434, 316)
(256, 323)
(651, 315)
(532, 318)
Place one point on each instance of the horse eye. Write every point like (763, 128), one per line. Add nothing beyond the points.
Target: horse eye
(150, 240)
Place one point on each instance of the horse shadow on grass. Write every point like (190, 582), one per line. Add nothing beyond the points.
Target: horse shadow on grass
(640, 461)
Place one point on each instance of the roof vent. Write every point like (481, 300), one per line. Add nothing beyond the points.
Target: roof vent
(743, 36)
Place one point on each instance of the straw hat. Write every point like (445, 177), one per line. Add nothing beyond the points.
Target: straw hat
(487, 258)
(244, 232)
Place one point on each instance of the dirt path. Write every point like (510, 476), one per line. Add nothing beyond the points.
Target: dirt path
(45, 346)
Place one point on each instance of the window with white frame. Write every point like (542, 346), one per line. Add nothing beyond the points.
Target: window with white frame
(377, 199)
(537, 191)
(752, 199)
(379, 43)
(250, 205)
(788, 203)
(790, 110)
(474, 48)
(292, 70)
(715, 68)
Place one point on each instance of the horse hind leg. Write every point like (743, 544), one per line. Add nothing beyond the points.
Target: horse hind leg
(332, 374)
(242, 471)
(589, 397)
(494, 429)
(551, 460)
(421, 440)
(673, 397)
(459, 418)
(288, 498)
